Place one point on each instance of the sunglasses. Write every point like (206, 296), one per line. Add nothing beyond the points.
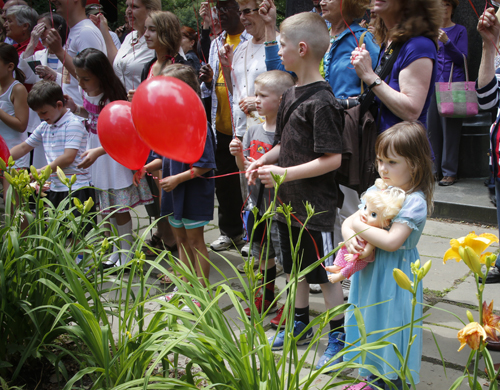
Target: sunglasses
(247, 11)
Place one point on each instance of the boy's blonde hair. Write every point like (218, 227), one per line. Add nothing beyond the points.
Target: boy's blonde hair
(276, 80)
(387, 201)
(184, 73)
(310, 28)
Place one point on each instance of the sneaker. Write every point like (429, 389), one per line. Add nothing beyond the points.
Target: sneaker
(346, 286)
(241, 267)
(187, 309)
(245, 250)
(298, 327)
(335, 344)
(279, 270)
(224, 242)
(275, 322)
(258, 304)
(314, 288)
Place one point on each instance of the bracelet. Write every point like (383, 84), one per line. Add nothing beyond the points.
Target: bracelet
(269, 43)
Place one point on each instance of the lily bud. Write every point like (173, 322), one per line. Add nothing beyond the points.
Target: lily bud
(8, 178)
(427, 267)
(47, 172)
(475, 264)
(402, 279)
(417, 263)
(73, 179)
(61, 175)
(78, 204)
(3, 166)
(34, 173)
(88, 204)
(469, 316)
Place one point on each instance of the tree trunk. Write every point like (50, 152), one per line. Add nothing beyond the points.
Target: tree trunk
(295, 6)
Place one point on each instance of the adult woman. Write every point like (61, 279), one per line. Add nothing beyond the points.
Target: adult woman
(134, 53)
(343, 42)
(444, 133)
(241, 70)
(189, 43)
(406, 93)
(19, 22)
(51, 67)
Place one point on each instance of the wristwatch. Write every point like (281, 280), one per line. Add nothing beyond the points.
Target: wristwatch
(377, 81)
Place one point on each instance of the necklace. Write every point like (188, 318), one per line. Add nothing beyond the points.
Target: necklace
(260, 46)
(333, 38)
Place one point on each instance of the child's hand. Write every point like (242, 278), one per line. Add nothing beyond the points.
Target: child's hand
(70, 103)
(252, 173)
(130, 95)
(235, 147)
(89, 158)
(355, 245)
(169, 183)
(138, 176)
(265, 177)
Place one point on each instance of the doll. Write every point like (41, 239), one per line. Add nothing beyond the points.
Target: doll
(380, 207)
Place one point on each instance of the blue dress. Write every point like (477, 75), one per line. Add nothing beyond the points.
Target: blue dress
(375, 284)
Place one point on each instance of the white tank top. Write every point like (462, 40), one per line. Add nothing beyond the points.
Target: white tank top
(10, 135)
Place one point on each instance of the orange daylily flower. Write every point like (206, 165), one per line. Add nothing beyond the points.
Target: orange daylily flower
(477, 243)
(471, 335)
(491, 322)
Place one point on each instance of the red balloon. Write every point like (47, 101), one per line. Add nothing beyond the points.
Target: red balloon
(170, 118)
(118, 136)
(4, 150)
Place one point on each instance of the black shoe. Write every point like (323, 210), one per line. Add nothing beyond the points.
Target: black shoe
(493, 198)
(493, 276)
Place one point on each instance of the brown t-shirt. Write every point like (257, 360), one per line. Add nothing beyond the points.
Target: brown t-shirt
(314, 128)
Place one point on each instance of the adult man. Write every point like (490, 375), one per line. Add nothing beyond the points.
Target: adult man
(227, 188)
(83, 34)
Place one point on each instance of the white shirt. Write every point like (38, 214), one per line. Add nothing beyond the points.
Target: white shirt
(130, 60)
(247, 65)
(81, 36)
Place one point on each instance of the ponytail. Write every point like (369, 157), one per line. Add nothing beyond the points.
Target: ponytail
(20, 76)
(9, 54)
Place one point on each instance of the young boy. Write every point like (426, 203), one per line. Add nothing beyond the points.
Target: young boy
(259, 139)
(308, 131)
(64, 139)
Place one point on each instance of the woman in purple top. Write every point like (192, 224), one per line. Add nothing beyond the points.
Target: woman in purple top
(444, 133)
(406, 93)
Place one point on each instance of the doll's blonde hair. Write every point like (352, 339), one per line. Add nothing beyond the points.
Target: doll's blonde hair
(387, 201)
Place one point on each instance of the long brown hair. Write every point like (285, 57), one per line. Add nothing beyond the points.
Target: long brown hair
(409, 140)
(9, 54)
(417, 18)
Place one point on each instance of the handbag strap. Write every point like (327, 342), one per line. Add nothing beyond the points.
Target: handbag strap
(465, 67)
(382, 72)
(361, 40)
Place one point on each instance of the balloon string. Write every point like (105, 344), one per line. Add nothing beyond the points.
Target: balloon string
(347, 24)
(51, 16)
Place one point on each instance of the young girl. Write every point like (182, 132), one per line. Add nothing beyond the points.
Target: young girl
(101, 86)
(404, 161)
(14, 108)
(188, 193)
(380, 208)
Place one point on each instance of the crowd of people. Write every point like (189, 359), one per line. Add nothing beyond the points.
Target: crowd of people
(275, 102)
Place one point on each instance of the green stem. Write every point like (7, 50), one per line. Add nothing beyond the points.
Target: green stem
(407, 355)
(478, 352)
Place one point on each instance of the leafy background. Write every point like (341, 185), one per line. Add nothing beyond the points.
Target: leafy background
(182, 8)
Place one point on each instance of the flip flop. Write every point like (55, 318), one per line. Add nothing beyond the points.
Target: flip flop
(157, 245)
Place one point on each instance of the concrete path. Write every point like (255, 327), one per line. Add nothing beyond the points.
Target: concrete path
(448, 288)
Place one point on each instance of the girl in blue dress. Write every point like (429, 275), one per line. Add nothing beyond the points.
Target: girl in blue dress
(404, 161)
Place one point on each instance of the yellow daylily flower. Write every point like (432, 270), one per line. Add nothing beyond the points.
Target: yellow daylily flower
(471, 335)
(477, 243)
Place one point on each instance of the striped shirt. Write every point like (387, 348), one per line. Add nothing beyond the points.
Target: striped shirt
(67, 133)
